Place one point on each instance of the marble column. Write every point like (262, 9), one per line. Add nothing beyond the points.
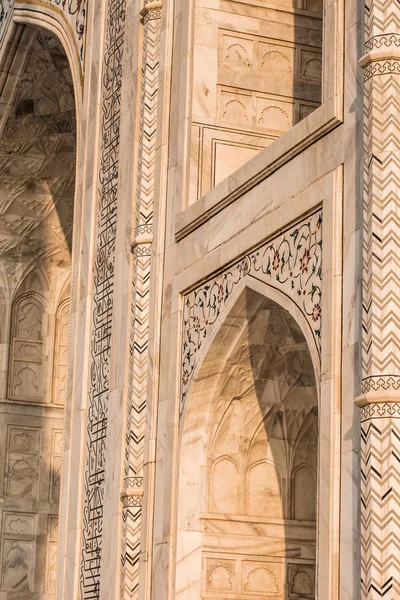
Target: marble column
(380, 407)
(133, 579)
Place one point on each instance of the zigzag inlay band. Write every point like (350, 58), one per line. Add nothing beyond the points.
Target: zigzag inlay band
(380, 501)
(137, 408)
(380, 421)
(381, 241)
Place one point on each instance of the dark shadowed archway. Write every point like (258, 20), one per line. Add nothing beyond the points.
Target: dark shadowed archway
(37, 187)
(247, 508)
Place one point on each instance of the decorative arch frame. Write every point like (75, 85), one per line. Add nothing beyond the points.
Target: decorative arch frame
(47, 16)
(50, 18)
(326, 358)
(38, 299)
(289, 264)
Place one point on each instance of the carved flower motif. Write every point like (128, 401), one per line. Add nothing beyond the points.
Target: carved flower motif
(304, 261)
(275, 261)
(185, 377)
(316, 312)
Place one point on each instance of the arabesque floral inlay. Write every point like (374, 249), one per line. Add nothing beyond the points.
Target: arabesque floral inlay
(291, 262)
(73, 10)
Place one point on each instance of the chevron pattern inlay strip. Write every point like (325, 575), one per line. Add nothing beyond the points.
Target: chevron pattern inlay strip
(135, 436)
(380, 421)
(380, 501)
(381, 256)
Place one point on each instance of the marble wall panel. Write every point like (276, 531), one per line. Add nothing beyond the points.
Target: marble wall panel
(17, 566)
(250, 79)
(18, 551)
(56, 465)
(61, 354)
(52, 554)
(22, 462)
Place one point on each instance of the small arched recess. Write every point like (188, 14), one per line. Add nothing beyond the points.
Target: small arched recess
(247, 523)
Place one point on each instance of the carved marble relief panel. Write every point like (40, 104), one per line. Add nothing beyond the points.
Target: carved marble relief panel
(256, 74)
(57, 445)
(61, 354)
(26, 365)
(52, 554)
(17, 558)
(22, 462)
(17, 565)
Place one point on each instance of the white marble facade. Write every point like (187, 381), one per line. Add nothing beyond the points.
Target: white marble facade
(198, 292)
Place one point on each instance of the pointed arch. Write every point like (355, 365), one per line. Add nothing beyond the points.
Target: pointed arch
(242, 364)
(26, 374)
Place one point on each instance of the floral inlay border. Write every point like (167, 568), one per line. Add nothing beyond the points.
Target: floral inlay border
(75, 14)
(290, 262)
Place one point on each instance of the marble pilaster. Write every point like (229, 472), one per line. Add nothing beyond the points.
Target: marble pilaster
(138, 428)
(380, 473)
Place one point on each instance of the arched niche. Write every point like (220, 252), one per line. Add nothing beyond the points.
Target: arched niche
(27, 360)
(248, 445)
(61, 348)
